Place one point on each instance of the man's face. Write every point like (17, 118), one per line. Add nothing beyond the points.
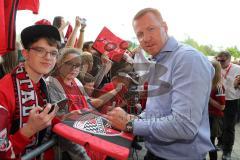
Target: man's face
(224, 61)
(151, 33)
(40, 57)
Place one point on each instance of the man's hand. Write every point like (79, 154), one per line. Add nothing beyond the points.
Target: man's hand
(236, 82)
(135, 51)
(118, 118)
(38, 120)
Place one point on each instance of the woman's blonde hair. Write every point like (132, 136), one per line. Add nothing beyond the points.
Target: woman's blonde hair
(86, 57)
(217, 76)
(63, 54)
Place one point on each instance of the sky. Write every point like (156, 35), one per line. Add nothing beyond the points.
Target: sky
(209, 22)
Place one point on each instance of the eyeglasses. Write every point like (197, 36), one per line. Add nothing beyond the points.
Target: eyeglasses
(72, 65)
(42, 52)
(221, 60)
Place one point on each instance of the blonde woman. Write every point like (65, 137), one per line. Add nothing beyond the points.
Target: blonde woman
(216, 107)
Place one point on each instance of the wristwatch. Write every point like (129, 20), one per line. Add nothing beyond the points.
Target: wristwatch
(129, 126)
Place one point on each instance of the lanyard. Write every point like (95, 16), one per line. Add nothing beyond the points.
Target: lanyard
(227, 71)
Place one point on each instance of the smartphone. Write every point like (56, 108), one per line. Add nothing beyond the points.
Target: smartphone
(83, 21)
(61, 104)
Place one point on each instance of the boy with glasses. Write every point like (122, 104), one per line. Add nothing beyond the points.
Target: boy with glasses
(24, 106)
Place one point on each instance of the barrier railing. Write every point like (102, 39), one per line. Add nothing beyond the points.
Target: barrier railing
(34, 153)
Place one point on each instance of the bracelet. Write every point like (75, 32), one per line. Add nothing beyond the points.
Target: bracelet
(81, 30)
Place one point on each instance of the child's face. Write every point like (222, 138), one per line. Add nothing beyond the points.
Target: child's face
(40, 58)
(70, 67)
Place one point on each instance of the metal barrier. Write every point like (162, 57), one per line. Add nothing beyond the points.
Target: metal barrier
(34, 153)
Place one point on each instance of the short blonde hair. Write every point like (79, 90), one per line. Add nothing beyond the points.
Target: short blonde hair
(148, 10)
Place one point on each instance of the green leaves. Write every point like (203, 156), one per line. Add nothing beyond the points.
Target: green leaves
(205, 49)
(208, 49)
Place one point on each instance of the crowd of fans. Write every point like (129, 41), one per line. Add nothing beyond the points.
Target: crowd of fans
(90, 80)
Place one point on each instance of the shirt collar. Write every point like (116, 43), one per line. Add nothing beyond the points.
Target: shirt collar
(170, 46)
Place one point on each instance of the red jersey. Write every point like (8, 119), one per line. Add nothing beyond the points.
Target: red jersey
(16, 143)
(76, 98)
(218, 94)
(118, 99)
(18, 95)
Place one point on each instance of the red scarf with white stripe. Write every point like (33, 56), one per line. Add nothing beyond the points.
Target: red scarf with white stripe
(27, 96)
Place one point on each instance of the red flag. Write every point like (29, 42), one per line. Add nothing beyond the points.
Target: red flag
(69, 31)
(32, 5)
(108, 43)
(8, 10)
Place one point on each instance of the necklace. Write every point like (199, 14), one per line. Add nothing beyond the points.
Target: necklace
(227, 71)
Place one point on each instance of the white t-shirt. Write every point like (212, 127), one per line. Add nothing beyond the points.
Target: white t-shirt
(228, 78)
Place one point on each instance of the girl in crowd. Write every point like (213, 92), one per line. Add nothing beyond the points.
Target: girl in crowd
(64, 84)
(216, 107)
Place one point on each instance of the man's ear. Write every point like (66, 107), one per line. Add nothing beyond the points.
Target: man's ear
(164, 24)
(25, 54)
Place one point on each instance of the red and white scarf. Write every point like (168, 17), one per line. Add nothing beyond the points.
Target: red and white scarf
(26, 99)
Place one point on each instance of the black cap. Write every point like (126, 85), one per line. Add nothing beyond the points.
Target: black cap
(126, 75)
(29, 34)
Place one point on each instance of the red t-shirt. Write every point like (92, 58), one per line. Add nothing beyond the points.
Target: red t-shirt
(15, 143)
(218, 94)
(118, 99)
(76, 98)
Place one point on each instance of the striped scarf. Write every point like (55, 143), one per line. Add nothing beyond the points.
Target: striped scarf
(26, 99)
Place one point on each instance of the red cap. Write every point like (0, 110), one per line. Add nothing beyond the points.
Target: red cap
(43, 22)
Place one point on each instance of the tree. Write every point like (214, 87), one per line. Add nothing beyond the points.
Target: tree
(205, 49)
(234, 51)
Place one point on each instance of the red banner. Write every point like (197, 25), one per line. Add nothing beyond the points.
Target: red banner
(8, 10)
(111, 45)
